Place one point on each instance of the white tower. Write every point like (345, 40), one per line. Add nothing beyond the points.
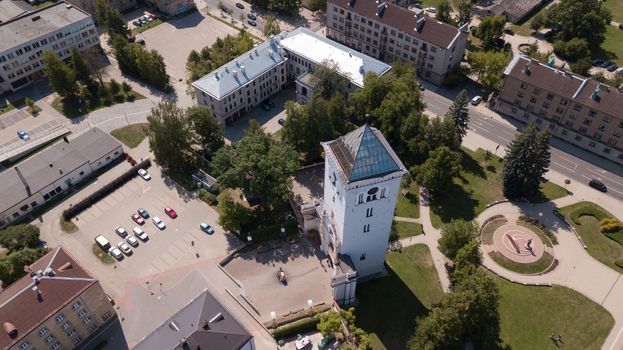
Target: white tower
(361, 185)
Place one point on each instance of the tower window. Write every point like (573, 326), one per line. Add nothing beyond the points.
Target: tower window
(369, 212)
(382, 193)
(372, 194)
(360, 199)
(362, 257)
(366, 228)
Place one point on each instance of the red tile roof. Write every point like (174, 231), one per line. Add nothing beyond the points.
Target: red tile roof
(19, 305)
(432, 31)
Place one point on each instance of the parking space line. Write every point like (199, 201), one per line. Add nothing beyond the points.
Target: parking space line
(146, 189)
(184, 247)
(95, 211)
(118, 195)
(103, 205)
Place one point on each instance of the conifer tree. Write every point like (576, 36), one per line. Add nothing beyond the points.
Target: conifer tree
(460, 115)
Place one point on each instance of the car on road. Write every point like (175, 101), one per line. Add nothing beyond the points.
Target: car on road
(476, 100)
(137, 23)
(144, 174)
(431, 10)
(116, 253)
(132, 241)
(206, 228)
(252, 23)
(158, 222)
(509, 31)
(141, 42)
(125, 248)
(612, 67)
(251, 17)
(606, 64)
(23, 135)
(421, 87)
(138, 219)
(239, 5)
(143, 213)
(598, 185)
(281, 121)
(418, 5)
(138, 232)
(121, 231)
(169, 211)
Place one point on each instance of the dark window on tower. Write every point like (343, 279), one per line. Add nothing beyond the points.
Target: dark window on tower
(369, 212)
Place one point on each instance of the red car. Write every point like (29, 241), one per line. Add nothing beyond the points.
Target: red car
(169, 211)
(138, 219)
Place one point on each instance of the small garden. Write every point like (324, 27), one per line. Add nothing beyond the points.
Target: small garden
(408, 203)
(95, 97)
(101, 254)
(6, 105)
(538, 266)
(601, 232)
(404, 229)
(131, 135)
(68, 226)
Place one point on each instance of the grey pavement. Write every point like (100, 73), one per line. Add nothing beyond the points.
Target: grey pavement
(432, 236)
(414, 220)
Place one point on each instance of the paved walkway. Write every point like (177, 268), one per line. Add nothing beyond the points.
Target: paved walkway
(413, 220)
(431, 237)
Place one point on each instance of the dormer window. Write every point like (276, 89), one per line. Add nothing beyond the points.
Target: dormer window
(372, 194)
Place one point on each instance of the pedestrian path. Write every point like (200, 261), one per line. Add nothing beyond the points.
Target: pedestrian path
(431, 236)
(402, 218)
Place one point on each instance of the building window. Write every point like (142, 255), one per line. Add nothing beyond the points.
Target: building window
(76, 305)
(49, 338)
(58, 189)
(536, 91)
(549, 96)
(56, 346)
(577, 107)
(578, 138)
(92, 328)
(369, 212)
(66, 325)
(25, 345)
(366, 228)
(76, 340)
(43, 331)
(565, 132)
(372, 194)
(60, 318)
(592, 113)
(592, 144)
(606, 150)
(362, 257)
(360, 199)
(106, 315)
(71, 333)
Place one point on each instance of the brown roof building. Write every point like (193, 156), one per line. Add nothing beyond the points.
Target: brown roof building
(579, 110)
(389, 32)
(58, 305)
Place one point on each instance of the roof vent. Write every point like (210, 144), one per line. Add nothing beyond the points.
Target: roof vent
(60, 170)
(10, 329)
(244, 71)
(256, 54)
(526, 69)
(36, 18)
(351, 3)
(50, 164)
(66, 266)
(235, 73)
(226, 70)
(36, 280)
(68, 6)
(37, 293)
(380, 9)
(361, 70)
(237, 63)
(206, 325)
(350, 54)
(270, 53)
(419, 24)
(216, 76)
(49, 272)
(595, 95)
(174, 326)
(217, 318)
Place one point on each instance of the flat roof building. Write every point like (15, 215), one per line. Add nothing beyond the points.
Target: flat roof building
(58, 27)
(58, 305)
(577, 109)
(9, 10)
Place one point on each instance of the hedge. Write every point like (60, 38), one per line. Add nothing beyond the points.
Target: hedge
(207, 197)
(271, 232)
(87, 202)
(589, 210)
(296, 327)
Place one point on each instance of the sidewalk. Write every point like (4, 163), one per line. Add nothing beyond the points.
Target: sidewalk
(431, 237)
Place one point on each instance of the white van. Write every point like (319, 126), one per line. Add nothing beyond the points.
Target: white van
(102, 242)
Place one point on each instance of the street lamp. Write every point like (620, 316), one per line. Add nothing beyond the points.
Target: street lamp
(249, 239)
(283, 232)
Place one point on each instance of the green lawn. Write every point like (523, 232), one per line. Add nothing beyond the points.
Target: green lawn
(7, 105)
(408, 203)
(131, 135)
(71, 107)
(102, 255)
(611, 49)
(616, 8)
(486, 235)
(404, 229)
(531, 268)
(523, 28)
(388, 306)
(600, 247)
(147, 26)
(68, 226)
(479, 183)
(528, 315)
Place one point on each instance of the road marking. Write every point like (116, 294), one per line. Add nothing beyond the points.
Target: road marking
(562, 166)
(146, 189)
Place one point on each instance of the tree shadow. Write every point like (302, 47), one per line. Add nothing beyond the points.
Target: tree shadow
(471, 165)
(454, 203)
(279, 252)
(603, 54)
(189, 20)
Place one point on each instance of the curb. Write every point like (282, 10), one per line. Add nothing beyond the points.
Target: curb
(518, 282)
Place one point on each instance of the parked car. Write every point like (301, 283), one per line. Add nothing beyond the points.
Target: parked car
(138, 219)
(265, 106)
(138, 232)
(418, 5)
(270, 103)
(144, 174)
(169, 211)
(281, 121)
(143, 213)
(509, 31)
(158, 222)
(125, 248)
(23, 135)
(421, 87)
(121, 231)
(598, 185)
(251, 23)
(137, 23)
(141, 42)
(476, 100)
(597, 62)
(431, 10)
(619, 70)
(102, 242)
(606, 64)
(225, 9)
(116, 253)
(251, 17)
(206, 228)
(132, 241)
(612, 67)
(239, 5)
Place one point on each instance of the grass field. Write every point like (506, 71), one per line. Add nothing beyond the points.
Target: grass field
(68, 226)
(388, 306)
(612, 48)
(147, 26)
(528, 315)
(405, 229)
(486, 235)
(131, 135)
(616, 8)
(73, 108)
(535, 267)
(102, 255)
(408, 204)
(600, 247)
(7, 105)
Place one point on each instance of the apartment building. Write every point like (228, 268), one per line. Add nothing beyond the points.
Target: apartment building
(576, 109)
(248, 80)
(89, 5)
(58, 305)
(390, 33)
(23, 39)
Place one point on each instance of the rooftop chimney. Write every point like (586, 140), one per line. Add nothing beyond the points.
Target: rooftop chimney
(244, 71)
(66, 266)
(419, 24)
(235, 73)
(36, 280)
(49, 272)
(21, 177)
(50, 164)
(37, 293)
(380, 9)
(361, 70)
(60, 170)
(216, 76)
(595, 94)
(10, 329)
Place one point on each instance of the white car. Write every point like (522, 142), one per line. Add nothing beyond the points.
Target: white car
(116, 253)
(144, 174)
(431, 10)
(159, 223)
(125, 248)
(140, 234)
(121, 231)
(132, 241)
(476, 100)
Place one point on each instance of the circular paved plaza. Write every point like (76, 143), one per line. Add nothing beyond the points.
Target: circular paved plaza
(518, 243)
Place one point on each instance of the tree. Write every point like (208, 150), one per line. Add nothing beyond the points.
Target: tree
(490, 30)
(80, 68)
(582, 67)
(538, 21)
(468, 256)
(573, 49)
(439, 169)
(271, 26)
(459, 114)
(116, 23)
(12, 265)
(455, 235)
(21, 236)
(465, 12)
(584, 19)
(152, 69)
(30, 103)
(443, 12)
(115, 87)
(412, 131)
(371, 95)
(95, 63)
(126, 87)
(168, 129)
(329, 324)
(102, 9)
(206, 129)
(488, 66)
(328, 81)
(61, 77)
(526, 162)
(233, 216)
(317, 5)
(258, 165)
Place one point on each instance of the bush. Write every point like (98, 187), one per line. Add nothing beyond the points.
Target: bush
(620, 25)
(541, 227)
(271, 232)
(104, 191)
(573, 49)
(610, 225)
(207, 197)
(296, 327)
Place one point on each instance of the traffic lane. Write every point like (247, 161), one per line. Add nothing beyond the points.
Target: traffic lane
(231, 5)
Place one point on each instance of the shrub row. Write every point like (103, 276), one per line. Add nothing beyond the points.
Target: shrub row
(494, 217)
(541, 227)
(88, 201)
(207, 197)
(610, 225)
(589, 210)
(296, 327)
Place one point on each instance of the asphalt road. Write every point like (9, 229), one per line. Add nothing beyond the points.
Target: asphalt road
(231, 4)
(573, 162)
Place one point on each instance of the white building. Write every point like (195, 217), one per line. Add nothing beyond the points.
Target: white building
(23, 39)
(361, 186)
(41, 178)
(248, 80)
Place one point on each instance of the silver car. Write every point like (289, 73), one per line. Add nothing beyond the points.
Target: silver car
(158, 222)
(121, 231)
(116, 253)
(125, 248)
(140, 234)
(132, 241)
